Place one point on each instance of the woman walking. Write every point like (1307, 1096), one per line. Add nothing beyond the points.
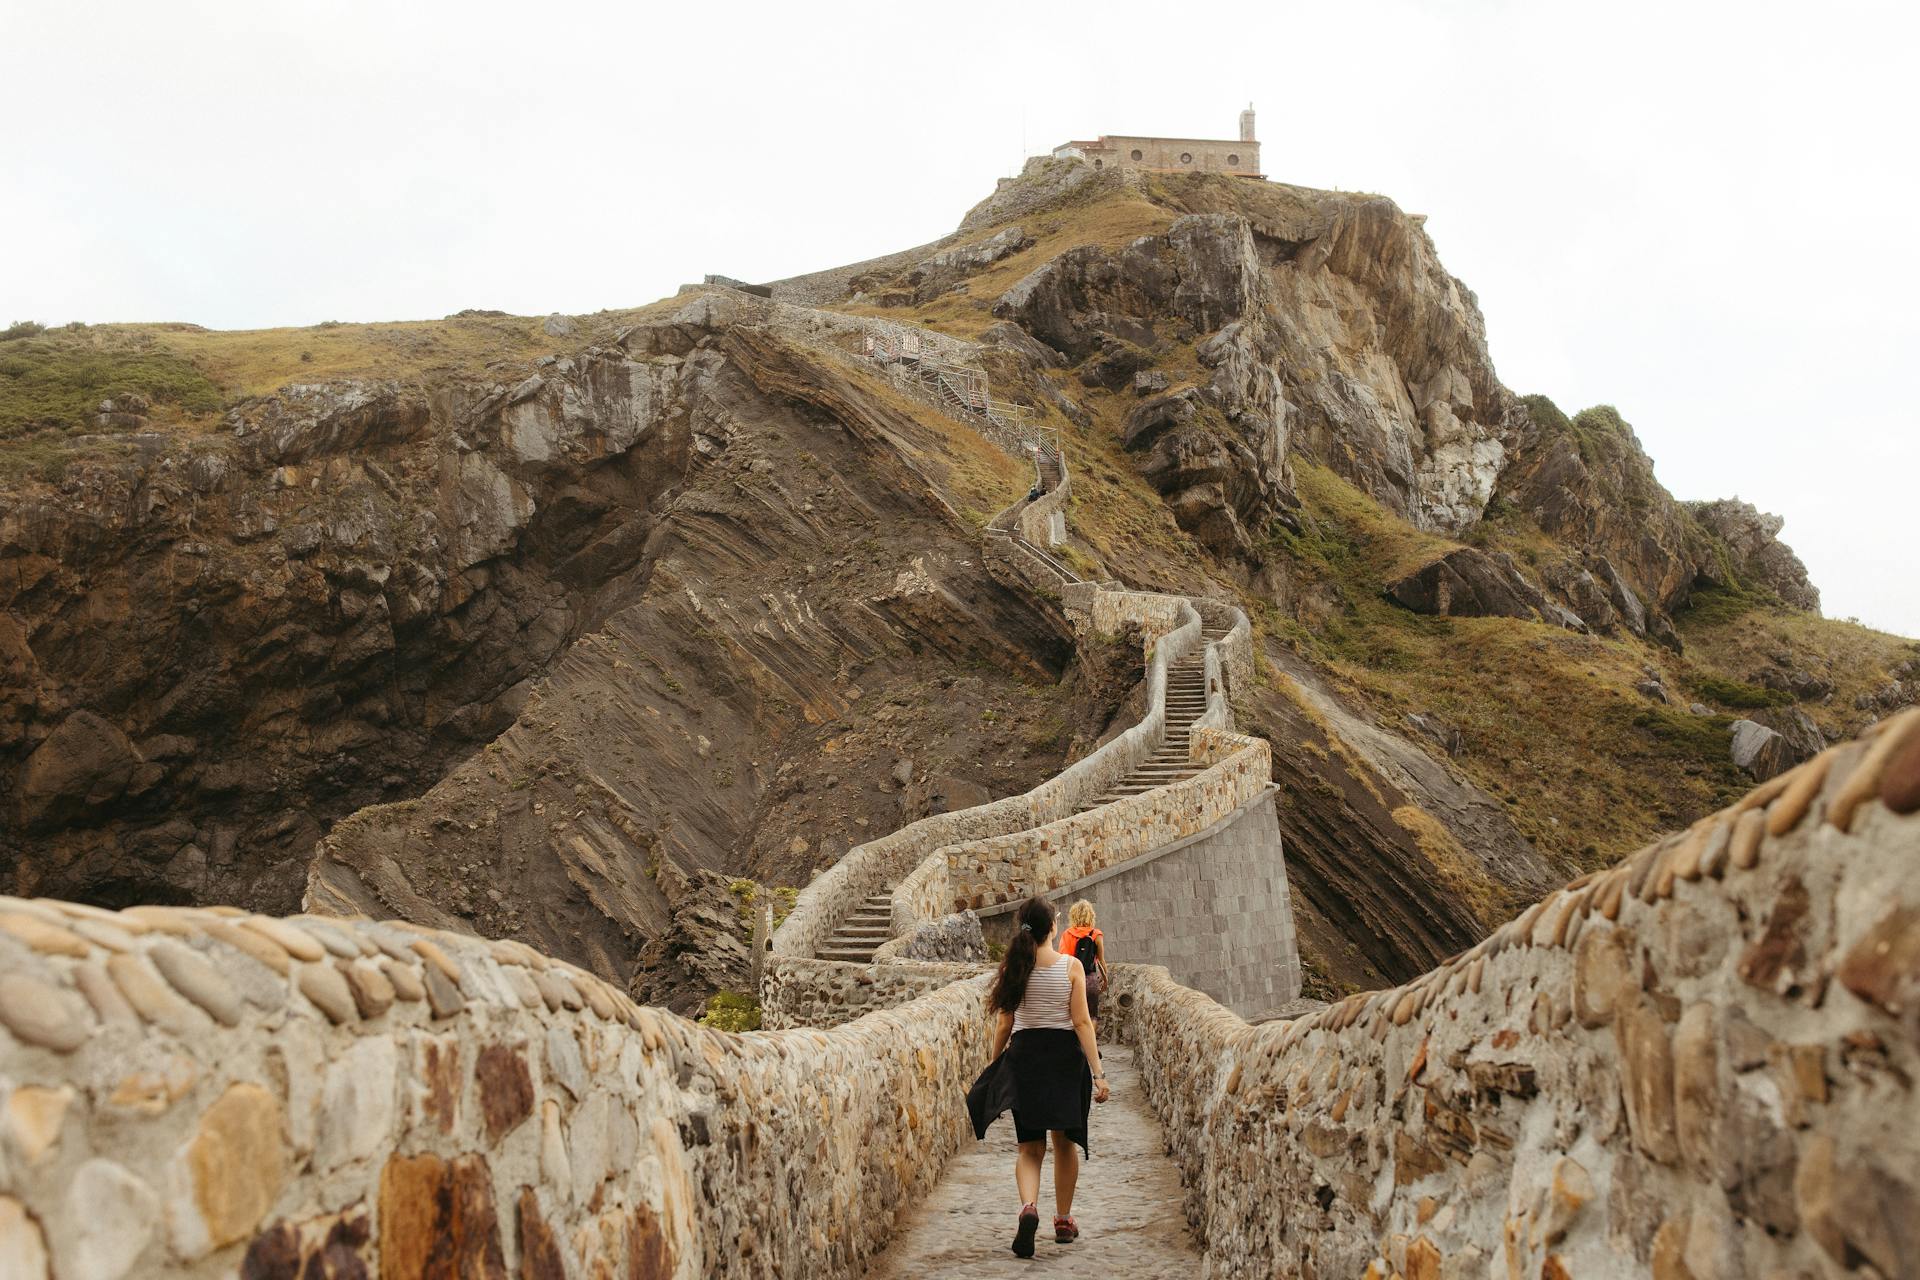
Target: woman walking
(1050, 1070)
(1085, 943)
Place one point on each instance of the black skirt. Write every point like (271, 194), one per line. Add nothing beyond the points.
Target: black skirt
(1043, 1078)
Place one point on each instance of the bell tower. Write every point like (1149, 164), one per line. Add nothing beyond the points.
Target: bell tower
(1246, 124)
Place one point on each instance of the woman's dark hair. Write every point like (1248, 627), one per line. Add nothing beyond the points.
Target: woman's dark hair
(1031, 927)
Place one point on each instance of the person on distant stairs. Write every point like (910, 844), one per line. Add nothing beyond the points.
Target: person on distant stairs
(1050, 1070)
(1088, 945)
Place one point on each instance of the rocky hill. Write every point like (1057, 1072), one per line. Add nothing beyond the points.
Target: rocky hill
(566, 630)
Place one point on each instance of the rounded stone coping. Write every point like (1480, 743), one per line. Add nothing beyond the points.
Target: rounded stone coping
(1758, 954)
(1131, 864)
(1843, 782)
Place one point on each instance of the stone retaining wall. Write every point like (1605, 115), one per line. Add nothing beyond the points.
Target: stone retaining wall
(829, 993)
(1698, 1064)
(1040, 520)
(196, 1093)
(1214, 910)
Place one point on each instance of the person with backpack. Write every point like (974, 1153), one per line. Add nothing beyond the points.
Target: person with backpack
(1045, 1069)
(1088, 945)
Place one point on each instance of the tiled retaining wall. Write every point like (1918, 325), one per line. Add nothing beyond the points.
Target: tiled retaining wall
(1214, 911)
(191, 1093)
(1698, 1064)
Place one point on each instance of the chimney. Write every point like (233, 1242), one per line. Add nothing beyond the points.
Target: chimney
(1246, 124)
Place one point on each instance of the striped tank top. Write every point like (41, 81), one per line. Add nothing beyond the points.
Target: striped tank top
(1046, 1003)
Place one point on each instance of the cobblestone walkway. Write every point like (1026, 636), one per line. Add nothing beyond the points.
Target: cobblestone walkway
(1128, 1205)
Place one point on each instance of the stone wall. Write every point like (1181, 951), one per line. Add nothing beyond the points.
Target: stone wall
(195, 1093)
(1018, 865)
(1042, 522)
(1212, 910)
(829, 993)
(1169, 155)
(1700, 1063)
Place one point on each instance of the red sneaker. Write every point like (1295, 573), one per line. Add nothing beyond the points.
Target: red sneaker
(1029, 1227)
(1065, 1230)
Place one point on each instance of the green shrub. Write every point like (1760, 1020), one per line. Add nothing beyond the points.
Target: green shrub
(1546, 413)
(21, 329)
(1737, 693)
(1687, 737)
(731, 1011)
(56, 379)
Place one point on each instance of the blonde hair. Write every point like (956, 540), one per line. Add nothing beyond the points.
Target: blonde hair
(1080, 914)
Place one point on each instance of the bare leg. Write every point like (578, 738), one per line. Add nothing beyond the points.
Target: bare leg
(1066, 1173)
(1026, 1170)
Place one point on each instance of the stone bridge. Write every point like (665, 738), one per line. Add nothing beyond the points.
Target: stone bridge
(1699, 1063)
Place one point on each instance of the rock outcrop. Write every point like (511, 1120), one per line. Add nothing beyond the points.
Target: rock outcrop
(1472, 584)
(1755, 553)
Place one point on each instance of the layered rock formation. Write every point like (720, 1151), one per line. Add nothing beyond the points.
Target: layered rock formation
(691, 590)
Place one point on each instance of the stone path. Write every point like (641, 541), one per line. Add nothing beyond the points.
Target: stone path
(1128, 1205)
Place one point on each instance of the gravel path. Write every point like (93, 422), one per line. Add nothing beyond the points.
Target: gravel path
(1128, 1205)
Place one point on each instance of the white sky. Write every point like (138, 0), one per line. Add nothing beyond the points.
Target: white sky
(1701, 213)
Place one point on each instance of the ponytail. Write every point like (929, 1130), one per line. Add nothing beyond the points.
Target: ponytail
(1032, 924)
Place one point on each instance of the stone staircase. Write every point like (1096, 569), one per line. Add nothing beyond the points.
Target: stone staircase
(1186, 702)
(870, 924)
(861, 933)
(964, 392)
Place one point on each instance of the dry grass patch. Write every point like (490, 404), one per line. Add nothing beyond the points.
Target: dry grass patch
(1457, 869)
(1589, 768)
(1112, 221)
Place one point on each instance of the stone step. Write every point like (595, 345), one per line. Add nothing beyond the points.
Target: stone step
(861, 933)
(834, 953)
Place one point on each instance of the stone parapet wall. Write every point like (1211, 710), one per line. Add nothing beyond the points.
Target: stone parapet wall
(1106, 611)
(1236, 647)
(197, 1093)
(869, 868)
(1037, 519)
(1689, 1065)
(829, 993)
(1018, 865)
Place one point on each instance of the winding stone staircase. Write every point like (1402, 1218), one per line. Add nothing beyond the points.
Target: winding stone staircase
(862, 932)
(964, 393)
(1186, 702)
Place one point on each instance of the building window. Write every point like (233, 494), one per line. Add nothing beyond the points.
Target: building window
(1137, 154)
(1186, 157)
(1233, 160)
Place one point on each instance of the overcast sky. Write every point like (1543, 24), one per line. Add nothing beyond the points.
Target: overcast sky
(1700, 213)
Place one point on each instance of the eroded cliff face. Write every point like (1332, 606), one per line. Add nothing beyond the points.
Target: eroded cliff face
(690, 590)
(1322, 325)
